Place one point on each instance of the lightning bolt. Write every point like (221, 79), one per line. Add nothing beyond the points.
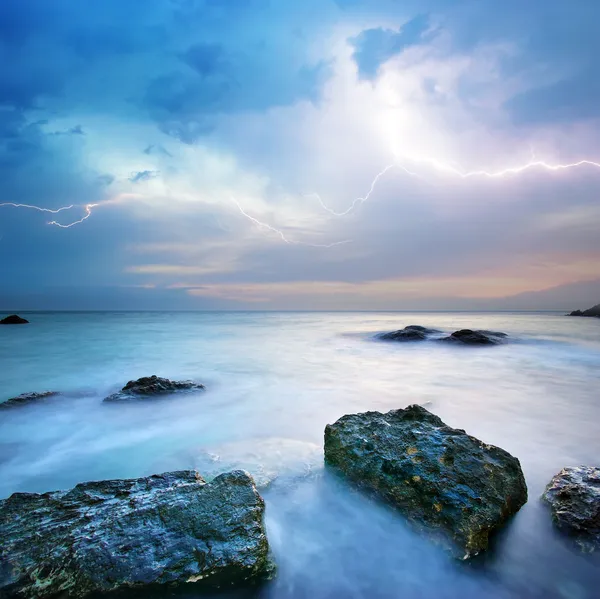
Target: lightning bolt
(282, 235)
(448, 168)
(363, 199)
(88, 213)
(38, 208)
(515, 170)
(399, 164)
(88, 208)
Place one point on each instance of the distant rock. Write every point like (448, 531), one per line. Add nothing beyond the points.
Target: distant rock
(151, 386)
(27, 398)
(412, 332)
(147, 534)
(14, 319)
(448, 484)
(469, 337)
(574, 498)
(595, 311)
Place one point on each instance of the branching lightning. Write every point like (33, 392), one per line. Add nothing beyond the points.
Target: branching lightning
(515, 170)
(361, 200)
(399, 164)
(282, 235)
(447, 168)
(88, 212)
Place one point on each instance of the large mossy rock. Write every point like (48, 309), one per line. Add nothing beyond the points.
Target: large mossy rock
(447, 483)
(143, 534)
(152, 386)
(574, 498)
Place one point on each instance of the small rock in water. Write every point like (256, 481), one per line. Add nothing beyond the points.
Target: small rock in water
(412, 332)
(150, 386)
(27, 398)
(145, 534)
(574, 498)
(14, 319)
(451, 485)
(469, 337)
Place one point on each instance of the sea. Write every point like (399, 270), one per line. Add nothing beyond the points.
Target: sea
(273, 381)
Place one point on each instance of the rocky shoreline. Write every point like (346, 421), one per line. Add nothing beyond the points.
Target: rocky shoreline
(177, 529)
(590, 313)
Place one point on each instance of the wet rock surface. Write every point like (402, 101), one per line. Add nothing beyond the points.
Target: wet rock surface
(14, 319)
(470, 337)
(151, 386)
(574, 498)
(448, 484)
(143, 534)
(594, 311)
(27, 398)
(410, 333)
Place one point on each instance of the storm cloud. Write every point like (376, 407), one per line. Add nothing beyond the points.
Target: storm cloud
(294, 155)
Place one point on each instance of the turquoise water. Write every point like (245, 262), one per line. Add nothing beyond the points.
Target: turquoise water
(274, 380)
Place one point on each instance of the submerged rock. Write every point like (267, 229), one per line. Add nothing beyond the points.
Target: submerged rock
(149, 386)
(412, 332)
(27, 398)
(271, 460)
(469, 337)
(595, 311)
(447, 483)
(147, 533)
(574, 498)
(14, 319)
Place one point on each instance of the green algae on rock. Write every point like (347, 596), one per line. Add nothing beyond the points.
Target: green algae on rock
(448, 484)
(158, 532)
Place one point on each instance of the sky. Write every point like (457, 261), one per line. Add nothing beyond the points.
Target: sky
(276, 154)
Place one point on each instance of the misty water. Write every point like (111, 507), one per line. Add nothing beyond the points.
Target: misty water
(274, 380)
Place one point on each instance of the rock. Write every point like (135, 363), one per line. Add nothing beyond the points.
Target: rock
(27, 398)
(149, 534)
(448, 484)
(151, 386)
(574, 498)
(403, 335)
(14, 319)
(418, 327)
(595, 311)
(469, 337)
(412, 332)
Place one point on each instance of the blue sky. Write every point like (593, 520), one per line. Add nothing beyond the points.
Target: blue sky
(219, 148)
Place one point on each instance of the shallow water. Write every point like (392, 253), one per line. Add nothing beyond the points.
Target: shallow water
(274, 380)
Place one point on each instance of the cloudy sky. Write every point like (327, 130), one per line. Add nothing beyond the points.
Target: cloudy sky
(327, 154)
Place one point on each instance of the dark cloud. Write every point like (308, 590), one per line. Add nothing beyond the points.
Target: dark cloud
(157, 149)
(374, 47)
(207, 72)
(143, 176)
